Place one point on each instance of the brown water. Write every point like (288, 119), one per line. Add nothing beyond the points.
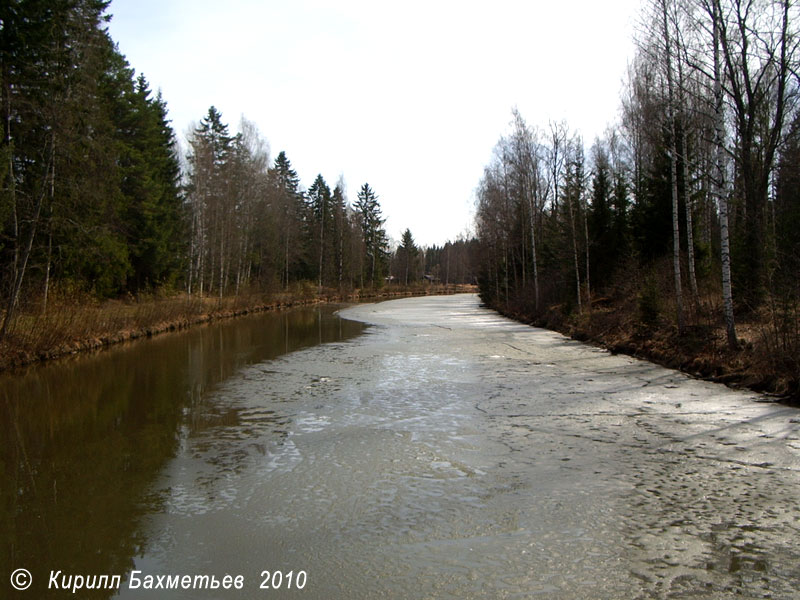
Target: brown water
(445, 452)
(84, 441)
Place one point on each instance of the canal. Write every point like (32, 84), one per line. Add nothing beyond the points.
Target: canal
(417, 448)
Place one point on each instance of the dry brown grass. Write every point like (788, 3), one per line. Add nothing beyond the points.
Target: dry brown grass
(76, 322)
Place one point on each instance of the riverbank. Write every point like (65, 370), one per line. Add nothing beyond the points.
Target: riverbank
(614, 324)
(71, 326)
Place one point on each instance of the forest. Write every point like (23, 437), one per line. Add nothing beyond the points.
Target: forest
(98, 202)
(675, 234)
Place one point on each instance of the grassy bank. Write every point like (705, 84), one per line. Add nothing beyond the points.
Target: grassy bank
(74, 323)
(631, 322)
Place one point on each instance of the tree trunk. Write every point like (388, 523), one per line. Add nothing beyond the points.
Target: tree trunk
(286, 260)
(49, 261)
(12, 181)
(447, 268)
(46, 292)
(586, 241)
(26, 252)
(676, 244)
(372, 271)
(341, 252)
(575, 253)
(321, 243)
(718, 183)
(687, 196)
(533, 254)
(189, 275)
(687, 200)
(221, 264)
(673, 168)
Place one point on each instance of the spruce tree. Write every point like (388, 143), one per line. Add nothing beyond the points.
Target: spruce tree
(294, 221)
(61, 194)
(341, 232)
(786, 244)
(600, 222)
(373, 234)
(319, 199)
(409, 253)
(153, 221)
(210, 156)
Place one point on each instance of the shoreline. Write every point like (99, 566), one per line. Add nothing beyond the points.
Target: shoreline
(184, 312)
(693, 354)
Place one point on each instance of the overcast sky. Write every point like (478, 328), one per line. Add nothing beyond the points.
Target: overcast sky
(408, 96)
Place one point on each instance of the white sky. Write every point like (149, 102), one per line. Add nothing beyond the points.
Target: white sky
(409, 96)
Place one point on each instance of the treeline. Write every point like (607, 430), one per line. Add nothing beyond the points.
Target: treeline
(689, 205)
(448, 264)
(97, 202)
(250, 223)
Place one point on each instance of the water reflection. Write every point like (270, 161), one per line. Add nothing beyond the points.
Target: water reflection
(82, 441)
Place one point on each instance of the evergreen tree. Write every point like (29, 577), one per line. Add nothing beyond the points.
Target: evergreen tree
(621, 227)
(600, 218)
(408, 254)
(787, 216)
(210, 155)
(150, 184)
(285, 176)
(341, 233)
(294, 222)
(373, 235)
(63, 93)
(319, 199)
(651, 212)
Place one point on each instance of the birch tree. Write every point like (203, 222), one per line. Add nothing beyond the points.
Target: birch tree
(666, 40)
(758, 47)
(525, 160)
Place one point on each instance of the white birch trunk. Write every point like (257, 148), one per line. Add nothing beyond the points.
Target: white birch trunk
(719, 184)
(676, 239)
(687, 199)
